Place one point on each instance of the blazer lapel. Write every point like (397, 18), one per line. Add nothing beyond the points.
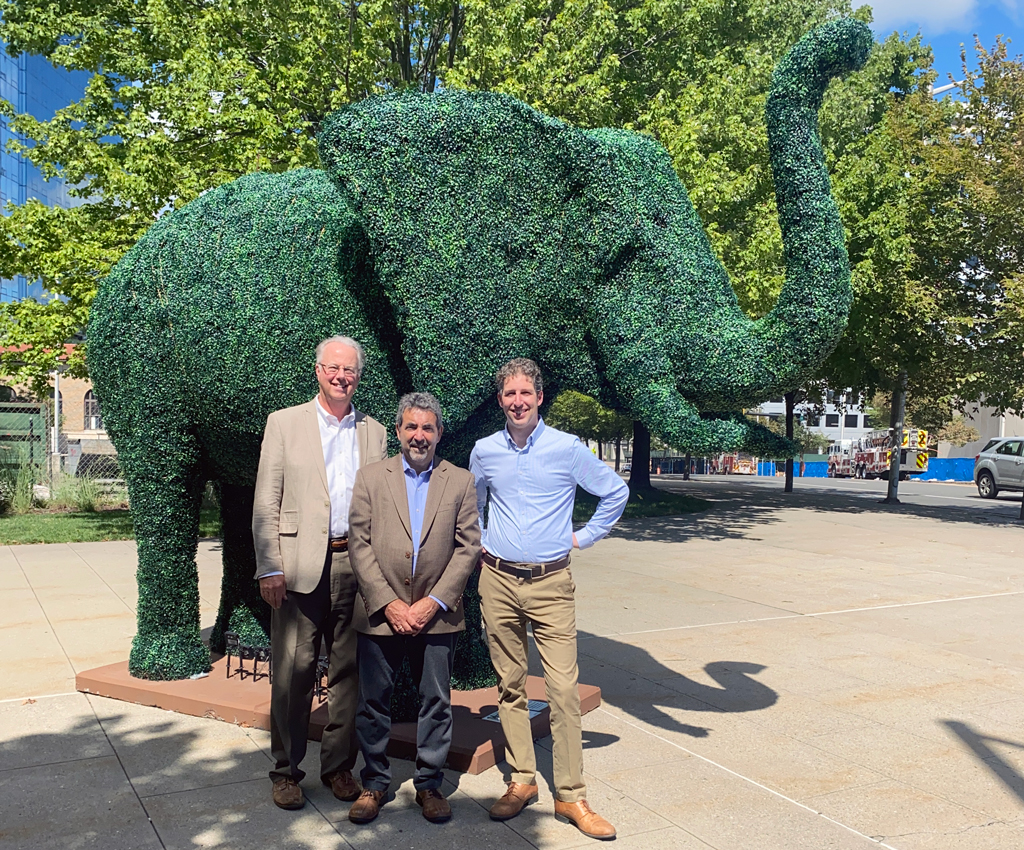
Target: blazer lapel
(312, 429)
(435, 495)
(396, 484)
(362, 438)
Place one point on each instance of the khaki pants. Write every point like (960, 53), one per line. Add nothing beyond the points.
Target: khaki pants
(296, 629)
(547, 604)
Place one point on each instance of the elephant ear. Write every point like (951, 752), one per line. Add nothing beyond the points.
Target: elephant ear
(476, 208)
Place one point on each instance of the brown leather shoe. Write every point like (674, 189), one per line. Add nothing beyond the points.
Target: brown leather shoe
(343, 785)
(585, 819)
(435, 806)
(513, 800)
(367, 807)
(288, 794)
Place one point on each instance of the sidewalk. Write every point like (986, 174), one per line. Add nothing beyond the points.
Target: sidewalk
(812, 674)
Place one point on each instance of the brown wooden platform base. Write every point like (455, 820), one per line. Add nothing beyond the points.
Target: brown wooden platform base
(477, 744)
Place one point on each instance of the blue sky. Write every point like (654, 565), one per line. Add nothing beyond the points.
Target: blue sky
(945, 24)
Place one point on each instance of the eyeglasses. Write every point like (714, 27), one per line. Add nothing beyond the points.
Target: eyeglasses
(332, 371)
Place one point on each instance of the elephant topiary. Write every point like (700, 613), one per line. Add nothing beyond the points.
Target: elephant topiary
(449, 233)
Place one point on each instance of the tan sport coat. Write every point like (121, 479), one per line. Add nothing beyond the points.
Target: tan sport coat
(291, 515)
(380, 544)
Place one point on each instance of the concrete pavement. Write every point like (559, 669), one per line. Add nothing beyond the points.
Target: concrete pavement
(780, 672)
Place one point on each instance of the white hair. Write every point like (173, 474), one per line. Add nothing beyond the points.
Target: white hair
(343, 340)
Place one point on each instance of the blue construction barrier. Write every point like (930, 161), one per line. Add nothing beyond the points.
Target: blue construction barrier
(767, 467)
(813, 469)
(948, 469)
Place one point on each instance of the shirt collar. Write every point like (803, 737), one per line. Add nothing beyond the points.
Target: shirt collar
(413, 473)
(329, 418)
(534, 436)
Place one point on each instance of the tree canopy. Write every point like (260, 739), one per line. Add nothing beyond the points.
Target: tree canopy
(185, 97)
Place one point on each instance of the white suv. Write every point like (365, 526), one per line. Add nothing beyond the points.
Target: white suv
(1000, 466)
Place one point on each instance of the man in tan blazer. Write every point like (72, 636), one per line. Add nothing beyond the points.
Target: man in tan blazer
(300, 526)
(415, 540)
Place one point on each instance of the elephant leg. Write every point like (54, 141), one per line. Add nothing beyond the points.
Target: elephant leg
(163, 472)
(241, 609)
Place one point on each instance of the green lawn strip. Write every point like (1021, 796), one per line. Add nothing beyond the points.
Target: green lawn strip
(49, 527)
(647, 503)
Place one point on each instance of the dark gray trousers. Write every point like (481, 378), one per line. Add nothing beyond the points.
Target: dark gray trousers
(430, 659)
(296, 629)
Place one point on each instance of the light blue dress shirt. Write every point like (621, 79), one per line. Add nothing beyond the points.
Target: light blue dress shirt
(416, 487)
(532, 491)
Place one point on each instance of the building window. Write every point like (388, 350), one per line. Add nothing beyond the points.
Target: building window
(851, 420)
(831, 420)
(812, 421)
(93, 418)
(867, 422)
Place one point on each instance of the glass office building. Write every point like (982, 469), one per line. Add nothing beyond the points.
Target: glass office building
(31, 84)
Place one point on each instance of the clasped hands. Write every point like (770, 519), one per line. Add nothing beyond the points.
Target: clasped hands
(407, 619)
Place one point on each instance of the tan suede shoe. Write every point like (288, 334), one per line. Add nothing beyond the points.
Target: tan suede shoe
(343, 785)
(366, 808)
(435, 806)
(288, 794)
(585, 819)
(513, 801)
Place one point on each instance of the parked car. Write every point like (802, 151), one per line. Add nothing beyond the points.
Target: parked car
(626, 467)
(1000, 466)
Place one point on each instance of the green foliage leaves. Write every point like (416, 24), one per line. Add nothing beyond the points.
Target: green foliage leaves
(587, 418)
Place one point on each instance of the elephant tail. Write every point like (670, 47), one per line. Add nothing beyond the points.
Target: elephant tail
(813, 307)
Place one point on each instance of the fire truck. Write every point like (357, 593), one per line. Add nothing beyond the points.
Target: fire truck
(872, 454)
(840, 459)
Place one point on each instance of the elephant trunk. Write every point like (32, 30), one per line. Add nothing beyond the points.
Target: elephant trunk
(811, 313)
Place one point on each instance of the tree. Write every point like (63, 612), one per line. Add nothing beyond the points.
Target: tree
(934, 218)
(186, 97)
(183, 97)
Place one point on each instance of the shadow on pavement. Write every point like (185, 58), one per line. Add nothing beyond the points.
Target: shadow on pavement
(978, 744)
(115, 781)
(738, 511)
(634, 681)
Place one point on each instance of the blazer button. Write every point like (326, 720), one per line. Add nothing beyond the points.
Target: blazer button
(327, 503)
(408, 554)
(407, 581)
(324, 530)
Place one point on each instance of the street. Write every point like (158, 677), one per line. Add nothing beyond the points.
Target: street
(956, 499)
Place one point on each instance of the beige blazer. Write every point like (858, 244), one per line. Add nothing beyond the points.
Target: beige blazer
(291, 515)
(380, 544)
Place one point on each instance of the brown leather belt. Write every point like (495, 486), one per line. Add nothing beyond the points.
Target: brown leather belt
(338, 544)
(522, 570)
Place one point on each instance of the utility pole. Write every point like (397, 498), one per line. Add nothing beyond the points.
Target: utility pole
(790, 399)
(899, 403)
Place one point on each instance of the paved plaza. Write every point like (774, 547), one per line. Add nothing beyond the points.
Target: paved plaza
(805, 671)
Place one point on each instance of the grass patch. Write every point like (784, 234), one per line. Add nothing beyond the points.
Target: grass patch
(646, 503)
(83, 527)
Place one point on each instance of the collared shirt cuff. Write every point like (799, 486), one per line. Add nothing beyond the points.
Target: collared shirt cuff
(439, 602)
(268, 575)
(585, 538)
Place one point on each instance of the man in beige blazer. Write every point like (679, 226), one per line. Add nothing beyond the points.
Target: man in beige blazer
(415, 540)
(300, 526)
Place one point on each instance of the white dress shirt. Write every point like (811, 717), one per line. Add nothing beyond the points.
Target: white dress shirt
(341, 459)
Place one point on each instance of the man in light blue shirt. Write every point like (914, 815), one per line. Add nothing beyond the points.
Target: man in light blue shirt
(530, 471)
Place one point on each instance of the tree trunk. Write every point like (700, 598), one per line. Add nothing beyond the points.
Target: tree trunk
(600, 449)
(790, 397)
(686, 468)
(640, 471)
(899, 403)
(618, 452)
